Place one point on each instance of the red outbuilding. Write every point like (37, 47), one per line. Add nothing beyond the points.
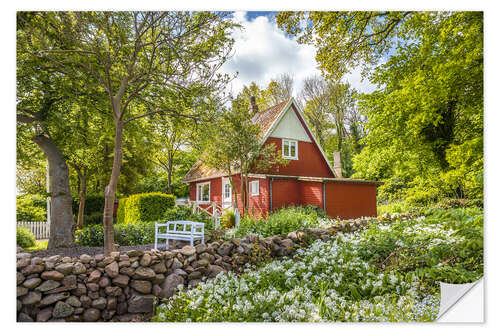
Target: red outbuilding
(308, 178)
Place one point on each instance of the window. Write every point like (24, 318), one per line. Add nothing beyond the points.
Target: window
(254, 187)
(227, 191)
(203, 192)
(290, 149)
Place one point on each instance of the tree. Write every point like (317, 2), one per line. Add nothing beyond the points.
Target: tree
(129, 52)
(236, 147)
(280, 88)
(344, 40)
(425, 126)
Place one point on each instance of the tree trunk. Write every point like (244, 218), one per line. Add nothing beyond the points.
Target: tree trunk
(241, 195)
(169, 173)
(83, 194)
(110, 190)
(62, 225)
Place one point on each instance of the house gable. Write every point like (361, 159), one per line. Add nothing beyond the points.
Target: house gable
(290, 127)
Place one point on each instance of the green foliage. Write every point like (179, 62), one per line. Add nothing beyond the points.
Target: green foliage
(387, 272)
(228, 219)
(94, 218)
(25, 238)
(31, 208)
(125, 234)
(146, 207)
(94, 203)
(120, 213)
(179, 213)
(39, 246)
(281, 221)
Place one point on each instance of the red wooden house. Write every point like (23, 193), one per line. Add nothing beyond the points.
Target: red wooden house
(308, 178)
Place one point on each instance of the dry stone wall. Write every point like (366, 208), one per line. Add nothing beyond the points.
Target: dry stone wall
(124, 286)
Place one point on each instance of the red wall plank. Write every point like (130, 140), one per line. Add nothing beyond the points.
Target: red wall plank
(350, 200)
(311, 193)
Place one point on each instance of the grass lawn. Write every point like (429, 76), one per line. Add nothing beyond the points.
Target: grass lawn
(40, 245)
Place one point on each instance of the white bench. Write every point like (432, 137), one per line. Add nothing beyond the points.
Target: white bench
(180, 230)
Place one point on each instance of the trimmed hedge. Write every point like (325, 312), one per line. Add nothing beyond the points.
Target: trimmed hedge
(120, 213)
(145, 207)
(31, 208)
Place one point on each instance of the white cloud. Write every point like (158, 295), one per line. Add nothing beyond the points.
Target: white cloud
(262, 51)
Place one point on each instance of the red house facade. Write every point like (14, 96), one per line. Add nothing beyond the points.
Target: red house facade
(307, 179)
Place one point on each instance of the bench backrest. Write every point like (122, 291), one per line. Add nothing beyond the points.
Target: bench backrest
(182, 227)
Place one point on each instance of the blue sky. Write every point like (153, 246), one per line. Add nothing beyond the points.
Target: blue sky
(262, 52)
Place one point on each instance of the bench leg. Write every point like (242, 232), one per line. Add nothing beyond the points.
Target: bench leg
(191, 241)
(167, 243)
(156, 243)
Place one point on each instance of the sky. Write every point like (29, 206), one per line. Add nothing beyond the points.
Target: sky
(262, 52)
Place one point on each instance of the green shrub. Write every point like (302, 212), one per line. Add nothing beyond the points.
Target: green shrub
(281, 221)
(31, 208)
(146, 207)
(94, 218)
(125, 234)
(179, 213)
(94, 203)
(120, 213)
(25, 238)
(228, 219)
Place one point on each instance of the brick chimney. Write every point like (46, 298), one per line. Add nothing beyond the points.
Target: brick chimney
(337, 164)
(253, 106)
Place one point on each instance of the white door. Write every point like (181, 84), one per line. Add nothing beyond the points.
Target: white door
(227, 192)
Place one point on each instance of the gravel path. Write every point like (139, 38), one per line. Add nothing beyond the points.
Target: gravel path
(78, 251)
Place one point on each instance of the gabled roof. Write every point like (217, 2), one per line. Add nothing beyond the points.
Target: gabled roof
(267, 120)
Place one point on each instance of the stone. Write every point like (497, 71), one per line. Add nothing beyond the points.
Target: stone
(159, 278)
(225, 248)
(86, 301)
(180, 272)
(45, 314)
(104, 282)
(23, 317)
(194, 275)
(51, 299)
(94, 294)
(141, 286)
(94, 276)
(112, 269)
(127, 271)
(202, 263)
(48, 285)
(113, 291)
(160, 268)
(32, 269)
(111, 303)
(145, 260)
(194, 283)
(121, 280)
(214, 270)
(80, 290)
(144, 273)
(288, 243)
(85, 258)
(99, 257)
(19, 278)
(32, 283)
(79, 268)
(23, 255)
(134, 264)
(21, 291)
(65, 269)
(62, 310)
(135, 253)
(92, 286)
(169, 286)
(67, 259)
(20, 264)
(52, 275)
(91, 315)
(200, 248)
(99, 303)
(123, 257)
(79, 311)
(176, 264)
(74, 301)
(125, 263)
(168, 255)
(141, 303)
(19, 305)
(121, 308)
(31, 298)
(188, 250)
(69, 281)
(107, 260)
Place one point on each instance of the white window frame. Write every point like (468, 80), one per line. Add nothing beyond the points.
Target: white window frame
(257, 187)
(296, 144)
(200, 186)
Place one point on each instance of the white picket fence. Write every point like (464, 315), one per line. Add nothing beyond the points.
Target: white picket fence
(41, 230)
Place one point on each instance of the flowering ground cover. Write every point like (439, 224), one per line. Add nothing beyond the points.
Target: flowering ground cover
(387, 272)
